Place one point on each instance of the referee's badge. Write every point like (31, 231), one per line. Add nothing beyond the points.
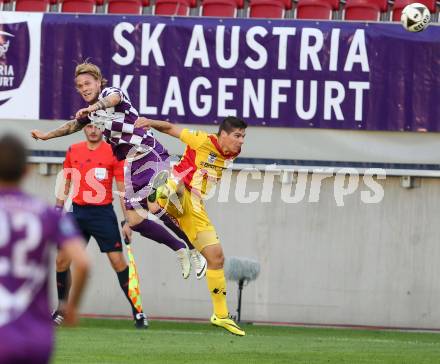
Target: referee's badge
(100, 173)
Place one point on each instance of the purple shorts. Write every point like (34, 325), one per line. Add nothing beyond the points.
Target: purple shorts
(140, 173)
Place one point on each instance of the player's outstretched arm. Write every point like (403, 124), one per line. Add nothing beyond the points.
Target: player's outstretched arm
(106, 102)
(67, 128)
(75, 250)
(162, 126)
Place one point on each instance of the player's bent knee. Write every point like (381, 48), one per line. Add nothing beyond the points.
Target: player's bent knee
(215, 262)
(214, 256)
(135, 217)
(220, 260)
(153, 207)
(117, 261)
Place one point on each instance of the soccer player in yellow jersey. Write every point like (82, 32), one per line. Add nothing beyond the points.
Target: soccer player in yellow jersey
(202, 164)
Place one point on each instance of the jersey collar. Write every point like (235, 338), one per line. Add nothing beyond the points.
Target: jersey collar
(214, 141)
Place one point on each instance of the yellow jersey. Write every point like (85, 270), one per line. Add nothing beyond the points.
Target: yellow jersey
(203, 161)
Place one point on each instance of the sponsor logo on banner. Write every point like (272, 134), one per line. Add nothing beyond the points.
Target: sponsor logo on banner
(5, 44)
(14, 57)
(20, 39)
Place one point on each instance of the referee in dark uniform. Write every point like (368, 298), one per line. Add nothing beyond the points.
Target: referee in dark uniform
(90, 167)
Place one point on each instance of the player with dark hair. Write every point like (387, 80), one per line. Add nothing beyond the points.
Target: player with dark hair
(202, 165)
(111, 110)
(89, 168)
(28, 229)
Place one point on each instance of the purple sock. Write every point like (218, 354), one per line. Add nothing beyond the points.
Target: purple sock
(171, 224)
(158, 233)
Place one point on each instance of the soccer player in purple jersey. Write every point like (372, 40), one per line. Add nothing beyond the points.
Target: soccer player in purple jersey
(28, 229)
(111, 110)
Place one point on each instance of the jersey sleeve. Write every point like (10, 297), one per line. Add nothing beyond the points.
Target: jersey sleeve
(193, 138)
(110, 91)
(65, 229)
(118, 170)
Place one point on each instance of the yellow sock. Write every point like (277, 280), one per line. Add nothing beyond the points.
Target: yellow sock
(217, 287)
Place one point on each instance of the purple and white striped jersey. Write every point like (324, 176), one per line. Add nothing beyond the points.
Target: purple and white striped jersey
(117, 124)
(28, 229)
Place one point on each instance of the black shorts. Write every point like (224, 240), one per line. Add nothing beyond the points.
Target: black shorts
(99, 222)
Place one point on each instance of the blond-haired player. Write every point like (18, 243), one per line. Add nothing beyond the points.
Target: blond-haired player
(111, 110)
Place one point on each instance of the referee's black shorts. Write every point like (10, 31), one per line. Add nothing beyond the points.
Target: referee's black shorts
(99, 222)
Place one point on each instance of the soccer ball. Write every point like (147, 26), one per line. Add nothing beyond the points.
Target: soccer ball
(415, 17)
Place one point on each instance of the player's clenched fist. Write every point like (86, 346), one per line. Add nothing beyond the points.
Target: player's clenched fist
(37, 134)
(81, 113)
(143, 123)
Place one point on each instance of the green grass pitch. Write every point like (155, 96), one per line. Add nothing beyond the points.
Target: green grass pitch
(116, 341)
